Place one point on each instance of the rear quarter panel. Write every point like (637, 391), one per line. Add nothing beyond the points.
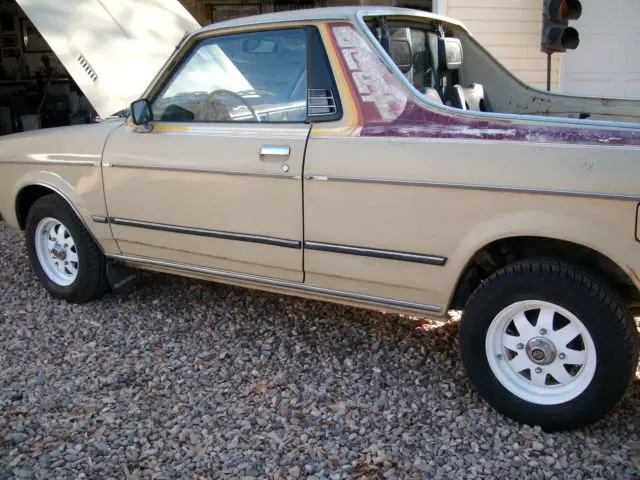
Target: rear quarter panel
(413, 177)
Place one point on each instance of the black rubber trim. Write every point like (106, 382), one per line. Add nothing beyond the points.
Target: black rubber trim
(242, 237)
(376, 253)
(99, 219)
(321, 75)
(637, 223)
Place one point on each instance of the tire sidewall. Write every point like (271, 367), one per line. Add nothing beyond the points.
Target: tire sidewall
(43, 210)
(609, 381)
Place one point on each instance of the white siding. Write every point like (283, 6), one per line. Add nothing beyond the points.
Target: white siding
(607, 62)
(510, 30)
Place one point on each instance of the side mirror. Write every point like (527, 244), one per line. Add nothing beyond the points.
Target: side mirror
(141, 112)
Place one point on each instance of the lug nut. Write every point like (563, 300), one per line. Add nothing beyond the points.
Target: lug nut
(500, 356)
(543, 331)
(538, 370)
(562, 356)
(520, 346)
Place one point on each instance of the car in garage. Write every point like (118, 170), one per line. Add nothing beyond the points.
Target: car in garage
(377, 157)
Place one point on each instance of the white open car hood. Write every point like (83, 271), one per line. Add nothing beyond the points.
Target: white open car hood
(111, 48)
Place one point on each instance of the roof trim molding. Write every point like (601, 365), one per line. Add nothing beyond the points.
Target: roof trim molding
(322, 13)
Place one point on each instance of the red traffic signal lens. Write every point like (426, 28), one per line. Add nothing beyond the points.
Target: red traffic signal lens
(564, 10)
(570, 10)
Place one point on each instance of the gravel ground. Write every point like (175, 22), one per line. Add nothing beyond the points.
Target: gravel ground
(187, 379)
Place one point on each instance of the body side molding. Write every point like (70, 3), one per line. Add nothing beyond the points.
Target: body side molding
(202, 170)
(243, 237)
(473, 186)
(377, 253)
(61, 161)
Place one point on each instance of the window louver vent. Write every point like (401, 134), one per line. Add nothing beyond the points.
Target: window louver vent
(87, 68)
(321, 102)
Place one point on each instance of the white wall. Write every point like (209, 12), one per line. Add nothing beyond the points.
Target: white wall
(607, 61)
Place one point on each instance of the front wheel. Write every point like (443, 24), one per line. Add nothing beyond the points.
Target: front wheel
(65, 258)
(549, 345)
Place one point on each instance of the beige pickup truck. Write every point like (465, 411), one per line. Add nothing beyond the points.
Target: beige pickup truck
(377, 157)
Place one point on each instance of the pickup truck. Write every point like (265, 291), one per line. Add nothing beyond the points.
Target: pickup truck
(377, 157)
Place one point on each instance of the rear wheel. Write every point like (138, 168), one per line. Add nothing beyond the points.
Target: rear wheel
(548, 345)
(67, 261)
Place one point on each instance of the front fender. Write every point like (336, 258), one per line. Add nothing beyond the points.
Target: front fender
(66, 160)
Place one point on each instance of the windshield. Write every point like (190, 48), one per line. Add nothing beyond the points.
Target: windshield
(264, 68)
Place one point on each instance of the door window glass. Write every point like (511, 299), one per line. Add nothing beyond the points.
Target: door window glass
(247, 77)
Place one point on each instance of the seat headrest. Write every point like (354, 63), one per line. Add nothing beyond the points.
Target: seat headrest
(401, 54)
(400, 49)
(450, 53)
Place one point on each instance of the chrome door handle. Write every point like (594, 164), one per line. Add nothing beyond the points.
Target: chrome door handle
(274, 152)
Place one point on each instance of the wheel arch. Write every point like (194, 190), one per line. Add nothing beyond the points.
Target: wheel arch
(28, 192)
(507, 250)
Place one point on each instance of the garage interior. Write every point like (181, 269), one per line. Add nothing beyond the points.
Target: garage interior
(35, 89)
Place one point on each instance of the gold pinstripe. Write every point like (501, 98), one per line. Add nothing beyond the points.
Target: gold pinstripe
(351, 108)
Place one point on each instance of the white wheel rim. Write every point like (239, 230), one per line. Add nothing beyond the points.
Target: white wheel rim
(56, 251)
(535, 361)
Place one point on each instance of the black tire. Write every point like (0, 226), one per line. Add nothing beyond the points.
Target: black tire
(599, 308)
(91, 280)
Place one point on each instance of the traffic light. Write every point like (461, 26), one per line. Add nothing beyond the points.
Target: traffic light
(557, 36)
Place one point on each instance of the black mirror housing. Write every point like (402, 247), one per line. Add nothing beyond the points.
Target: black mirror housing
(141, 112)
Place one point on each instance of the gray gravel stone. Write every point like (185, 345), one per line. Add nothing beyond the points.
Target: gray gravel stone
(187, 379)
(16, 437)
(295, 472)
(23, 473)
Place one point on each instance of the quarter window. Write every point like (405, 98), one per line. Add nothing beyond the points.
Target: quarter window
(247, 77)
